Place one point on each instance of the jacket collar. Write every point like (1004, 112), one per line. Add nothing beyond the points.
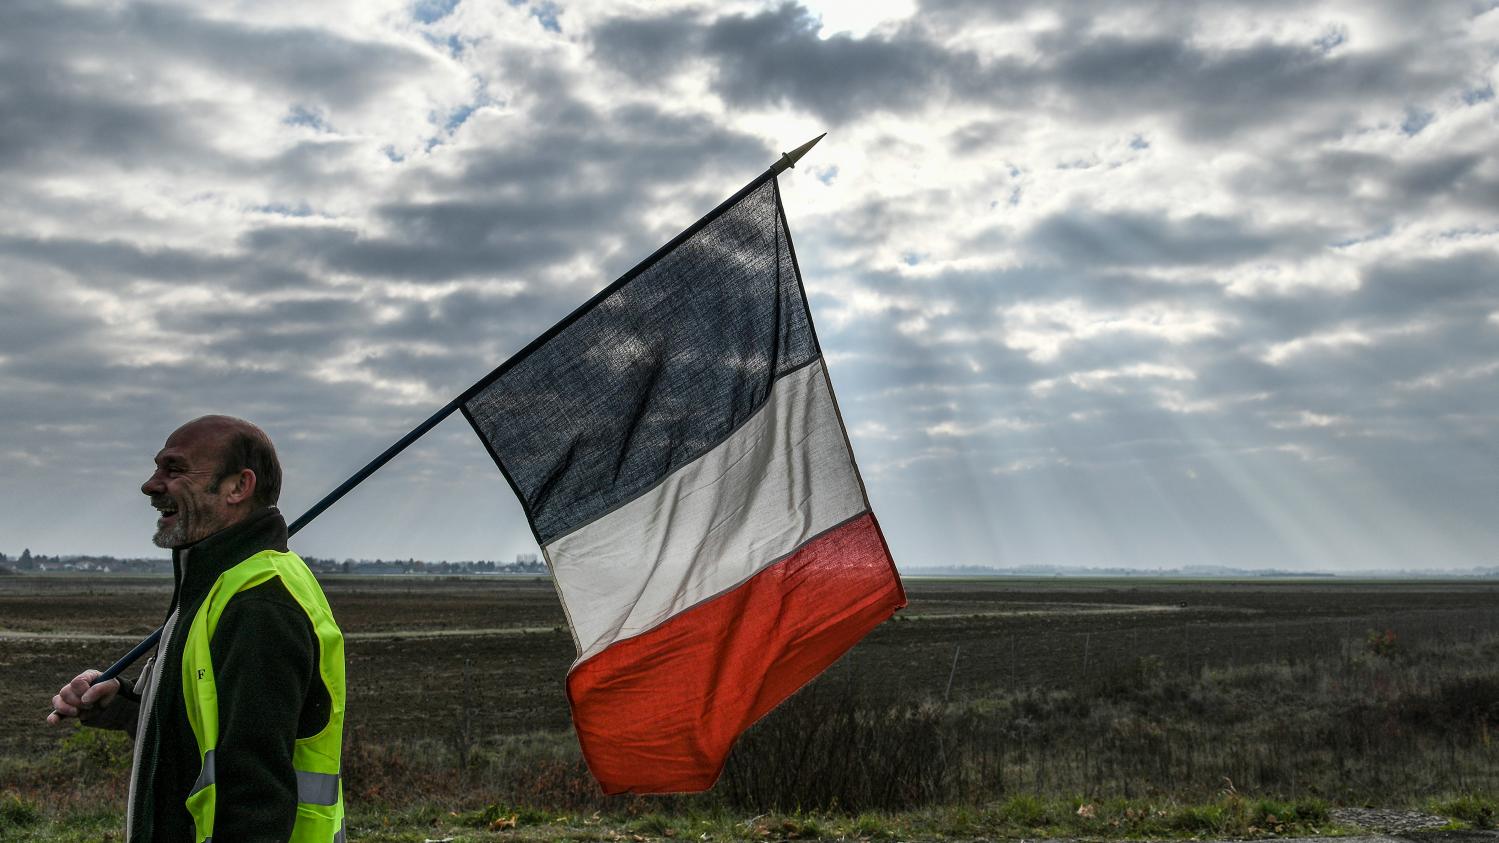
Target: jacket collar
(212, 556)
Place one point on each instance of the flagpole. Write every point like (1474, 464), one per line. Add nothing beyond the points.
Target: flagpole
(786, 162)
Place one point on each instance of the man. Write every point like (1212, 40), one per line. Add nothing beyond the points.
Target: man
(238, 721)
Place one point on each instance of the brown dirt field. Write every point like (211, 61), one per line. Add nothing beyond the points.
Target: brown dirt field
(510, 637)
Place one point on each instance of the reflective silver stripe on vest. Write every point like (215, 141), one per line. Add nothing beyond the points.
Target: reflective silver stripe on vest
(337, 838)
(312, 788)
(317, 788)
(205, 776)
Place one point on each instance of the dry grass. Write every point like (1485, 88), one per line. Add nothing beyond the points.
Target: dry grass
(1136, 728)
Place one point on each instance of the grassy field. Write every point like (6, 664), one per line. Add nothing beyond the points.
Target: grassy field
(1119, 706)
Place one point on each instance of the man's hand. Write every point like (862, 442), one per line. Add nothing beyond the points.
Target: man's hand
(78, 697)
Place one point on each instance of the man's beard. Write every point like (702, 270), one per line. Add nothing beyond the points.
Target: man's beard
(194, 518)
(174, 534)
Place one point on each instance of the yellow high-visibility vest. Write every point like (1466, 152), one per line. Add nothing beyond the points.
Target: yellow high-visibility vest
(320, 800)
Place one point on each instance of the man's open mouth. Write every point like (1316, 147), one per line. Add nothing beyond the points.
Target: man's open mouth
(168, 513)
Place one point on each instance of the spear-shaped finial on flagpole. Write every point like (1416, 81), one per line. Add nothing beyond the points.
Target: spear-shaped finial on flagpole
(789, 159)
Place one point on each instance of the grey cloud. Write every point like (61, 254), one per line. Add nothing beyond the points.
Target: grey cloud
(53, 115)
(444, 367)
(55, 111)
(306, 164)
(1392, 296)
(311, 65)
(1214, 94)
(1259, 406)
(36, 322)
(1142, 239)
(269, 323)
(1466, 284)
(776, 57)
(104, 262)
(1114, 351)
(1385, 185)
(1079, 13)
(972, 299)
(572, 147)
(871, 222)
(1448, 299)
(647, 47)
(1282, 317)
(479, 318)
(1359, 381)
(589, 165)
(498, 220)
(1092, 16)
(568, 149)
(983, 135)
(92, 258)
(308, 65)
(483, 240)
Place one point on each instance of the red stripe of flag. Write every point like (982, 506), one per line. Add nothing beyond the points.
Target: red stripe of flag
(658, 713)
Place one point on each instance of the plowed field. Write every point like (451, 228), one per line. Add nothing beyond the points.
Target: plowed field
(413, 640)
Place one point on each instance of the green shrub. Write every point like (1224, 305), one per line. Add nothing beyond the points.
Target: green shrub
(1476, 811)
(1382, 644)
(1269, 813)
(1310, 811)
(94, 751)
(507, 816)
(799, 827)
(1024, 811)
(16, 812)
(957, 822)
(653, 825)
(1200, 818)
(872, 825)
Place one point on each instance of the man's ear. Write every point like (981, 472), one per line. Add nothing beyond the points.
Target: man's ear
(241, 487)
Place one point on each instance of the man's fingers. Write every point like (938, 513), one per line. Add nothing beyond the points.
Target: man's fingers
(72, 693)
(63, 707)
(75, 695)
(100, 692)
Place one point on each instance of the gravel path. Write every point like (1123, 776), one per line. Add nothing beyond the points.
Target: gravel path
(1388, 820)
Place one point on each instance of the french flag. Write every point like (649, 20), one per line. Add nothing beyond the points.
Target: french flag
(679, 453)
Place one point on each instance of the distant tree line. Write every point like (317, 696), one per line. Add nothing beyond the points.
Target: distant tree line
(41, 562)
(525, 563)
(28, 562)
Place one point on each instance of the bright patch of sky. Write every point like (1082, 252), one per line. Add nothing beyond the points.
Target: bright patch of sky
(858, 18)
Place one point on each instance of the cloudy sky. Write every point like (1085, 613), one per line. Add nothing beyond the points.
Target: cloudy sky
(1130, 283)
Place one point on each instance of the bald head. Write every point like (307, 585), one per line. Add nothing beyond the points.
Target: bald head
(212, 473)
(243, 446)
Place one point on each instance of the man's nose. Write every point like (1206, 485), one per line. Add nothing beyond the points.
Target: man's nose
(153, 484)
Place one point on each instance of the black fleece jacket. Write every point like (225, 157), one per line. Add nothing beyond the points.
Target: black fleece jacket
(265, 664)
